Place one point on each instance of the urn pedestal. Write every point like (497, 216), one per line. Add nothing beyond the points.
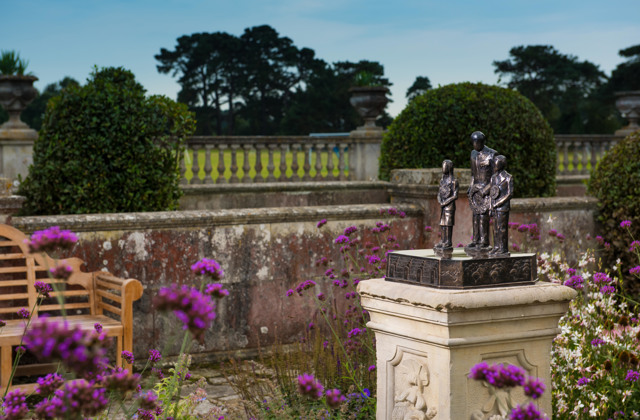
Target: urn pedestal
(628, 103)
(369, 102)
(427, 340)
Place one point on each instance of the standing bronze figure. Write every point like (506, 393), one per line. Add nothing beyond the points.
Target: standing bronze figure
(479, 199)
(447, 196)
(501, 193)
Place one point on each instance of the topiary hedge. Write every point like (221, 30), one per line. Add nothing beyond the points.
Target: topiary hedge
(105, 147)
(615, 182)
(437, 125)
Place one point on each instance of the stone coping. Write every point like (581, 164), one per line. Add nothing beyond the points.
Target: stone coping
(545, 204)
(448, 300)
(193, 189)
(206, 218)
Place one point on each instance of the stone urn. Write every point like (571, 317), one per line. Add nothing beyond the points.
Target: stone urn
(369, 101)
(628, 103)
(16, 92)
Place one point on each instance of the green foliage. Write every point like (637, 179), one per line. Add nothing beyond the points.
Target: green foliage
(419, 86)
(615, 182)
(626, 76)
(12, 64)
(105, 147)
(560, 85)
(437, 126)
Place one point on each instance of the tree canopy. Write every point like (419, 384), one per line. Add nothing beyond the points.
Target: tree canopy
(261, 83)
(419, 87)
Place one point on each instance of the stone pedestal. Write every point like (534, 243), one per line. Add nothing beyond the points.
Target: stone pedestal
(428, 339)
(16, 155)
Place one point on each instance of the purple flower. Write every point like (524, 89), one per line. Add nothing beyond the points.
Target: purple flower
(515, 247)
(625, 224)
(335, 398)
(460, 245)
(43, 288)
(372, 368)
(48, 384)
(391, 238)
(50, 239)
(632, 376)
(290, 292)
(307, 385)
(355, 332)
(82, 351)
(498, 375)
(215, 290)
(307, 284)
(560, 237)
(158, 373)
(127, 356)
(61, 271)
(15, 405)
(2, 323)
(601, 278)
(341, 239)
(607, 245)
(195, 310)
(575, 282)
(600, 239)
(321, 223)
(428, 229)
(571, 271)
(534, 388)
(208, 267)
(98, 327)
(596, 342)
(513, 225)
(634, 245)
(583, 381)
(154, 356)
(321, 297)
(121, 380)
(553, 232)
(77, 398)
(402, 214)
(148, 400)
(23, 313)
(607, 290)
(523, 228)
(373, 259)
(635, 270)
(392, 211)
(351, 229)
(527, 412)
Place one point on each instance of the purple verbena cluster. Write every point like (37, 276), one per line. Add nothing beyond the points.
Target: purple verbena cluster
(127, 356)
(76, 398)
(583, 381)
(534, 388)
(310, 387)
(350, 230)
(195, 310)
(635, 270)
(98, 327)
(341, 239)
(634, 245)
(575, 282)
(83, 352)
(215, 290)
(47, 385)
(607, 290)
(603, 278)
(334, 398)
(208, 267)
(51, 239)
(527, 412)
(307, 284)
(632, 376)
(154, 356)
(597, 342)
(625, 224)
(23, 313)
(61, 271)
(15, 405)
(499, 376)
(43, 289)
(321, 223)
(121, 380)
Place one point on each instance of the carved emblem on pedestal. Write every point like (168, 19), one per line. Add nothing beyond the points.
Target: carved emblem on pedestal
(412, 379)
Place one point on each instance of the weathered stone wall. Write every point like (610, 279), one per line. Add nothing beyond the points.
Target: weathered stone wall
(264, 252)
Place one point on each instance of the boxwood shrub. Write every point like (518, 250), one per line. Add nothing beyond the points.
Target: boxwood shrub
(106, 147)
(615, 182)
(437, 126)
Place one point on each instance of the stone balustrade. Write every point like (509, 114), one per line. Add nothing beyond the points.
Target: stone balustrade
(251, 159)
(579, 154)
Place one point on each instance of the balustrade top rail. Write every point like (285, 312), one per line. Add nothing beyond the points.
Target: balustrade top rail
(233, 159)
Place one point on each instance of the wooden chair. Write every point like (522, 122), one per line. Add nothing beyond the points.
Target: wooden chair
(90, 298)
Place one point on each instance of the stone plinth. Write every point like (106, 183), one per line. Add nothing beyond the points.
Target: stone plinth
(16, 154)
(428, 339)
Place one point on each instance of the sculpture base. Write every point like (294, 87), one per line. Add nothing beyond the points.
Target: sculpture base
(456, 270)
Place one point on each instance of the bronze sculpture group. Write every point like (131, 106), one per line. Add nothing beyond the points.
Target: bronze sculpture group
(489, 195)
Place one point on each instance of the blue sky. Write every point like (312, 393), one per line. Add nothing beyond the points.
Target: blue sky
(448, 41)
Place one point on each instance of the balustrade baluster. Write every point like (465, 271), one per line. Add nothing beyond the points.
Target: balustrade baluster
(183, 166)
(246, 166)
(222, 167)
(306, 167)
(565, 158)
(330, 175)
(234, 164)
(196, 165)
(283, 163)
(342, 149)
(586, 147)
(207, 164)
(319, 148)
(270, 166)
(576, 157)
(259, 177)
(294, 162)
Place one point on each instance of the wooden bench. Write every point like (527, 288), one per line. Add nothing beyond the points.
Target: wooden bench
(90, 298)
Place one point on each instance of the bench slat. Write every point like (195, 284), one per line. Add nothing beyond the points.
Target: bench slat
(15, 282)
(12, 256)
(8, 243)
(18, 269)
(66, 306)
(14, 296)
(103, 281)
(109, 296)
(110, 308)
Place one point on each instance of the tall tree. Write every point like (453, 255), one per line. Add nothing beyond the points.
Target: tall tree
(419, 86)
(557, 84)
(626, 76)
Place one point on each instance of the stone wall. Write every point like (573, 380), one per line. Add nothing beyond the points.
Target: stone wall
(264, 252)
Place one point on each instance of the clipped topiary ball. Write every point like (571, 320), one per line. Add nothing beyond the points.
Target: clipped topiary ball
(615, 182)
(437, 125)
(105, 147)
